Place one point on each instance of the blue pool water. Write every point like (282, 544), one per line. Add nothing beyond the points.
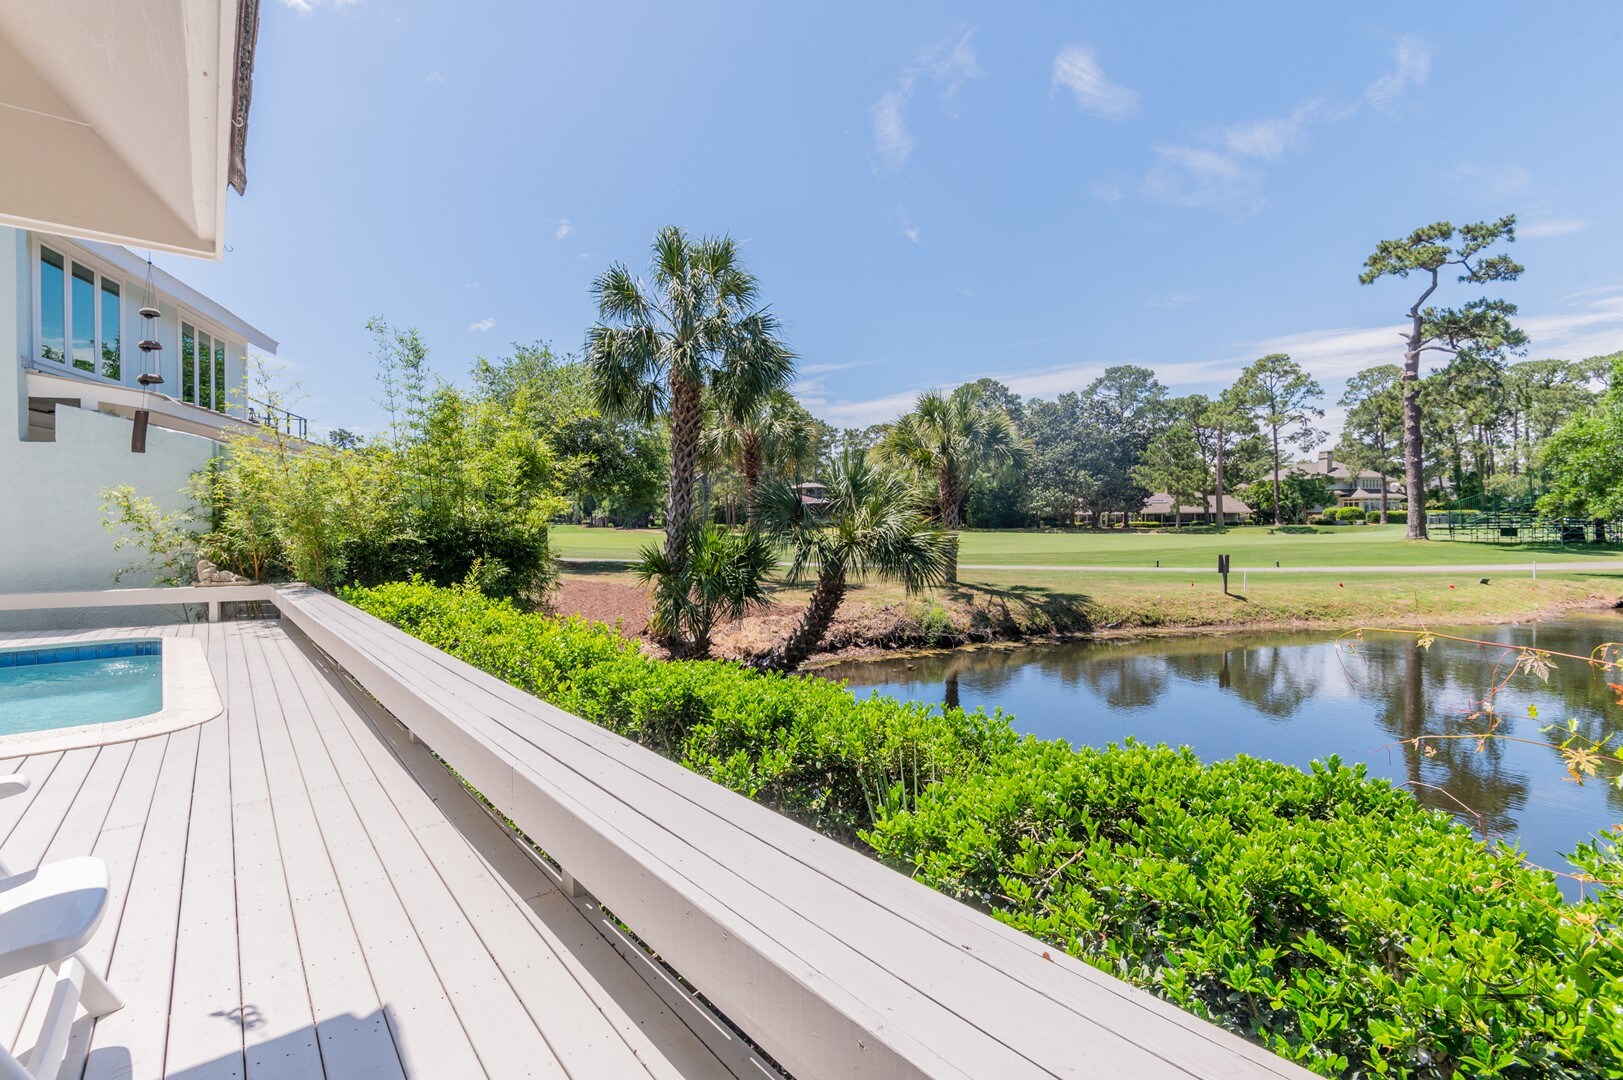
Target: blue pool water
(66, 686)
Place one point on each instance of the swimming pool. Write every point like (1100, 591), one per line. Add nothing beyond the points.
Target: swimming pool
(59, 686)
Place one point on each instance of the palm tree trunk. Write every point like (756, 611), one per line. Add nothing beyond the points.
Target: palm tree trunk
(1383, 498)
(949, 496)
(687, 418)
(808, 633)
(1222, 521)
(750, 464)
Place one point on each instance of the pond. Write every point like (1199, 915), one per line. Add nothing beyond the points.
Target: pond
(1294, 697)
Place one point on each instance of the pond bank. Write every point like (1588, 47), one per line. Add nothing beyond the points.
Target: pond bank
(1021, 607)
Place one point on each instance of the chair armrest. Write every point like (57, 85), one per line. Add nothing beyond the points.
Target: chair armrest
(12, 784)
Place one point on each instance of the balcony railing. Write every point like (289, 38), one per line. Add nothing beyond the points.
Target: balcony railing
(283, 420)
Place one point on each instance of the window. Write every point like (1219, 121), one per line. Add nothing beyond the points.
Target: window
(219, 375)
(202, 368)
(52, 323)
(110, 334)
(79, 316)
(188, 362)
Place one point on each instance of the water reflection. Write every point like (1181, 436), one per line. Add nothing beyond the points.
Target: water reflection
(1295, 697)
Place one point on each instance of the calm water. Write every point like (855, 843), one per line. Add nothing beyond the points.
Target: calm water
(1295, 697)
(45, 696)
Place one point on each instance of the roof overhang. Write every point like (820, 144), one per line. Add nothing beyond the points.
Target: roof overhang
(122, 120)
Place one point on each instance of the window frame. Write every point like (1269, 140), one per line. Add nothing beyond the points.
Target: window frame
(201, 328)
(70, 254)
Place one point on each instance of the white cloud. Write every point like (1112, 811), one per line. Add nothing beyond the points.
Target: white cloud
(891, 141)
(482, 325)
(1489, 181)
(1592, 326)
(905, 224)
(1193, 176)
(1172, 300)
(1226, 173)
(1077, 71)
(436, 78)
(1267, 140)
(1541, 227)
(564, 229)
(304, 7)
(824, 369)
(1411, 65)
(949, 64)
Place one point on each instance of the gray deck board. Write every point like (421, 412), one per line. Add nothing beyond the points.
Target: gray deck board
(830, 959)
(298, 891)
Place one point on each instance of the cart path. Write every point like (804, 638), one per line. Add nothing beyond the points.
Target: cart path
(1451, 568)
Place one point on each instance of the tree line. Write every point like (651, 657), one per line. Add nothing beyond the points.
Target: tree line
(678, 412)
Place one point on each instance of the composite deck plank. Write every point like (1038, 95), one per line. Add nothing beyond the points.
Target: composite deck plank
(131, 1042)
(429, 1036)
(75, 835)
(279, 1032)
(52, 800)
(848, 890)
(587, 1027)
(652, 830)
(1079, 988)
(13, 1003)
(507, 1040)
(662, 1041)
(354, 1036)
(205, 1030)
(117, 846)
(953, 975)
(585, 813)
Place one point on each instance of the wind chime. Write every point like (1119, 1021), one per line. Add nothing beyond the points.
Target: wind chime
(149, 377)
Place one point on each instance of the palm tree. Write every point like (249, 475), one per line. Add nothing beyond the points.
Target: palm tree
(772, 432)
(946, 438)
(720, 575)
(659, 348)
(872, 524)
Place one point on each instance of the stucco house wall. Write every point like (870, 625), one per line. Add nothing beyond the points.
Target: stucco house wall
(51, 532)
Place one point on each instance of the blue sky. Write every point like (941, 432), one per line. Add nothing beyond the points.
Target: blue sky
(930, 193)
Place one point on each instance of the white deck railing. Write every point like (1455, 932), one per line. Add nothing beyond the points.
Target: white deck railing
(834, 964)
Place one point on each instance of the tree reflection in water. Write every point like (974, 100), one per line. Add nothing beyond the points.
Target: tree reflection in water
(1295, 697)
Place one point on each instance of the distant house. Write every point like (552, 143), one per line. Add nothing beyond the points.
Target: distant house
(1360, 489)
(812, 494)
(1159, 510)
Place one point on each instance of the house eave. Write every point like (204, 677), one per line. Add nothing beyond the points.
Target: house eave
(138, 112)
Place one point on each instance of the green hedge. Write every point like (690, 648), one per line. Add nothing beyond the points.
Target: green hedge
(1324, 914)
(805, 747)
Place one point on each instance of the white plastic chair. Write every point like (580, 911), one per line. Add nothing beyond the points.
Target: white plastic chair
(46, 916)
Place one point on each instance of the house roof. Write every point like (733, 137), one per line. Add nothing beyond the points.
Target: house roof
(141, 109)
(136, 267)
(1161, 503)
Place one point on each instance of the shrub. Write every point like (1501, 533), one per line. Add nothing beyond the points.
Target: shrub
(1397, 517)
(1322, 520)
(1347, 514)
(1143, 524)
(1294, 530)
(802, 745)
(1324, 914)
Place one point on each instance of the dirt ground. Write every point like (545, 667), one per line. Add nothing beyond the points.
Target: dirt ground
(865, 624)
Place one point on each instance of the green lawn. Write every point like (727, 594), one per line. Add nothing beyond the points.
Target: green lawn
(1250, 546)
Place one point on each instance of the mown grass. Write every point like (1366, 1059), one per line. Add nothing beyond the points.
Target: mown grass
(1250, 546)
(1055, 601)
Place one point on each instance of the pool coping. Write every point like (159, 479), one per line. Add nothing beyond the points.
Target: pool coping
(190, 697)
